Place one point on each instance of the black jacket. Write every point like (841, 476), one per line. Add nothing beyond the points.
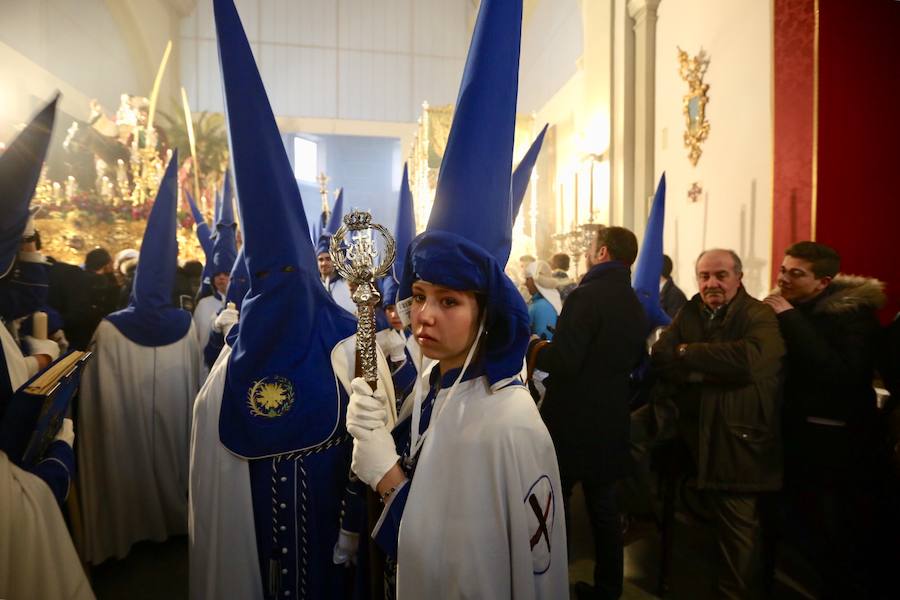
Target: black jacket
(671, 298)
(600, 338)
(829, 400)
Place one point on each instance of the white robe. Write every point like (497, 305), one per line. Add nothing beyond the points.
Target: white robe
(134, 437)
(15, 361)
(340, 291)
(223, 554)
(204, 313)
(468, 523)
(37, 558)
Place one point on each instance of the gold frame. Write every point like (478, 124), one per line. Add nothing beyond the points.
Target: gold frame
(692, 71)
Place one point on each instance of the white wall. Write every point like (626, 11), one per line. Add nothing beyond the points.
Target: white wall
(551, 47)
(338, 59)
(735, 169)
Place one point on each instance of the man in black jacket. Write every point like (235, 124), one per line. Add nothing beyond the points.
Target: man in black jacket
(600, 338)
(830, 326)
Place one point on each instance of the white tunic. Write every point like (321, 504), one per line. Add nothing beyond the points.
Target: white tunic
(37, 558)
(469, 529)
(134, 437)
(204, 313)
(15, 362)
(223, 554)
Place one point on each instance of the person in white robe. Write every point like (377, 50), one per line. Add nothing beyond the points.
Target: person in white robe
(136, 401)
(469, 476)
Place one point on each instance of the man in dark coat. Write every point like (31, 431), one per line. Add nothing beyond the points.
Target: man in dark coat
(830, 325)
(720, 362)
(671, 298)
(600, 338)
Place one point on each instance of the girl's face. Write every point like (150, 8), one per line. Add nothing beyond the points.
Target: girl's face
(445, 323)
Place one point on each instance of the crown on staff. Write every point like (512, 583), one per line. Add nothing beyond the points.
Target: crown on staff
(357, 220)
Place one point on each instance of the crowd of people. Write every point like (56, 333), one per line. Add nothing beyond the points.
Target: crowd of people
(224, 400)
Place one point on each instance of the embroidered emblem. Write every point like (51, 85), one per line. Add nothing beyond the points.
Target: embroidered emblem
(270, 397)
(540, 506)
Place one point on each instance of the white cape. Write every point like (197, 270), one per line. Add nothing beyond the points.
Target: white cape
(468, 529)
(37, 558)
(15, 362)
(134, 436)
(223, 555)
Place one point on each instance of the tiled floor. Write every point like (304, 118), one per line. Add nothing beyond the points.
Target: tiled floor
(154, 571)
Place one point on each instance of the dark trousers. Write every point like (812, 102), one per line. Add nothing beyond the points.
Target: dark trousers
(600, 498)
(737, 519)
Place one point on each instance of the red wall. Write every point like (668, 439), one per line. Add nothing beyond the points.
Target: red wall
(855, 206)
(858, 206)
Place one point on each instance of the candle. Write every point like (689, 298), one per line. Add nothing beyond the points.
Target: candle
(575, 224)
(561, 215)
(39, 325)
(57, 191)
(591, 215)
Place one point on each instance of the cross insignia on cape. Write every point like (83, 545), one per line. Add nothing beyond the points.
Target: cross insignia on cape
(270, 397)
(540, 507)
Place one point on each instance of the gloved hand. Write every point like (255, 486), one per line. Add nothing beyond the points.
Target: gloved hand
(225, 320)
(374, 456)
(48, 347)
(392, 343)
(367, 409)
(374, 451)
(59, 336)
(345, 549)
(66, 432)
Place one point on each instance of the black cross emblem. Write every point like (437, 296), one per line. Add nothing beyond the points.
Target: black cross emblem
(542, 520)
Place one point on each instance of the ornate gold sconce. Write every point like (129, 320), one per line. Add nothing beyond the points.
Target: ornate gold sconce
(696, 131)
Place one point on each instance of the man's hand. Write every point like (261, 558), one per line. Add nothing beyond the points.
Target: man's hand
(778, 303)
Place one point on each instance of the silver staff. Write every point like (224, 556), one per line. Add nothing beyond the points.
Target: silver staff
(357, 262)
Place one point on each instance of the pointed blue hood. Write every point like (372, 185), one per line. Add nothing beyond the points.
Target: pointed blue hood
(404, 232)
(204, 236)
(522, 174)
(280, 393)
(469, 234)
(334, 222)
(225, 245)
(20, 169)
(648, 268)
(150, 319)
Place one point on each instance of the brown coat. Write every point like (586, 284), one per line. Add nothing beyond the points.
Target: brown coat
(740, 371)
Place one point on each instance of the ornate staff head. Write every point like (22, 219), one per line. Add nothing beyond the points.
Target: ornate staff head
(357, 261)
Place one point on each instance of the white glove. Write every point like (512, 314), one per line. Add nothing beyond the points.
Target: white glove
(373, 456)
(392, 343)
(59, 336)
(66, 432)
(345, 549)
(48, 347)
(367, 409)
(225, 320)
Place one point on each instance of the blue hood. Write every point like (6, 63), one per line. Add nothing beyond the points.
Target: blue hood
(20, 169)
(150, 319)
(225, 246)
(522, 175)
(469, 234)
(280, 393)
(648, 268)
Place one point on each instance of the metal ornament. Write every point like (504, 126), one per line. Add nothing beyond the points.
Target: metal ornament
(357, 262)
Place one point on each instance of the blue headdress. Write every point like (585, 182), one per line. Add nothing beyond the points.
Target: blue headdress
(225, 246)
(334, 221)
(20, 169)
(469, 234)
(239, 283)
(404, 233)
(150, 319)
(279, 393)
(649, 265)
(522, 174)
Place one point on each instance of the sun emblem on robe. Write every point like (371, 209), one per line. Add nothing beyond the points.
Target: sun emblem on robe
(270, 397)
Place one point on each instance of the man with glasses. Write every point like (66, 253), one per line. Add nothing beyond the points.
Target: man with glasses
(830, 326)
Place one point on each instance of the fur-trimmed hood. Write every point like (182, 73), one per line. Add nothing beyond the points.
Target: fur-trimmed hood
(852, 292)
(849, 292)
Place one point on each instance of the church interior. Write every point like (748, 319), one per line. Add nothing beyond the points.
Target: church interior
(764, 122)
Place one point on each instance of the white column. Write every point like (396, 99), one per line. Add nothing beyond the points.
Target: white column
(621, 150)
(644, 14)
